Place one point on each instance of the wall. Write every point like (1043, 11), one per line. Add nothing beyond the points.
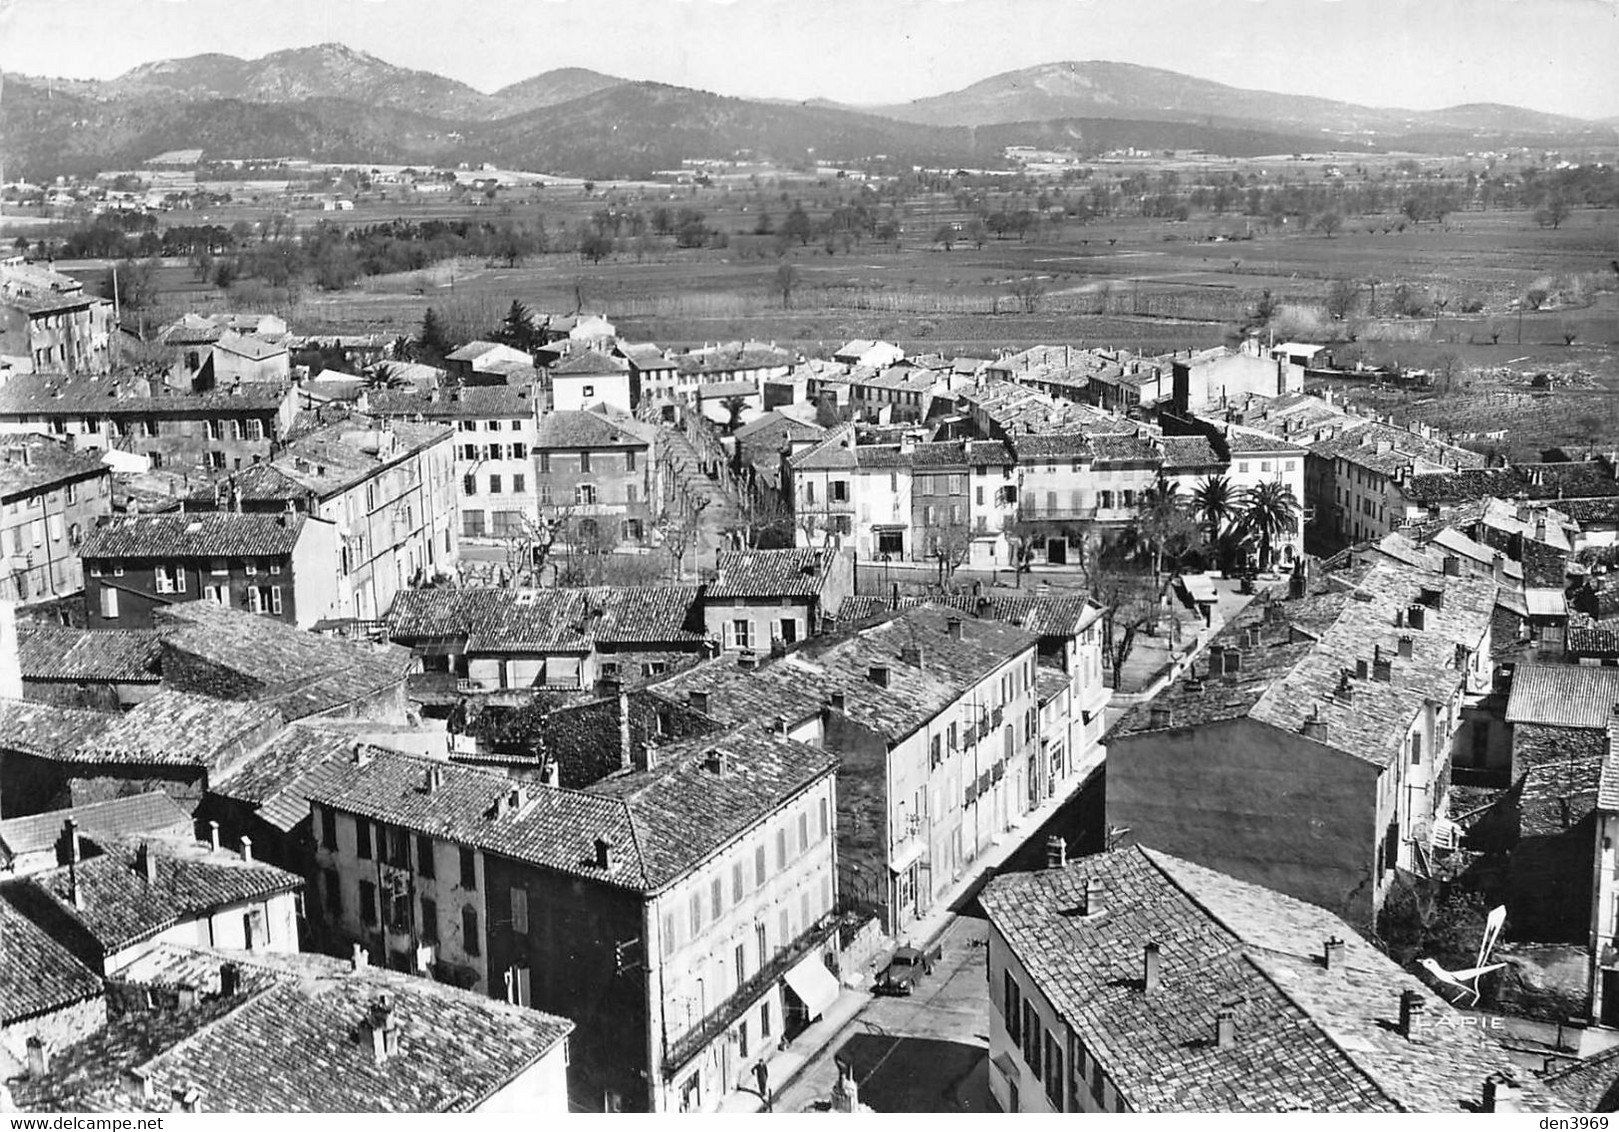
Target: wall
(138, 595)
(57, 1029)
(623, 495)
(569, 393)
(1004, 1051)
(765, 616)
(223, 927)
(1260, 804)
(39, 537)
(314, 590)
(541, 1089)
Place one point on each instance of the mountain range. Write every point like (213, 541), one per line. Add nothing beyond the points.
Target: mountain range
(333, 103)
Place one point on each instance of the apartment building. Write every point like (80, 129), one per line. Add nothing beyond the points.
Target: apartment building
(50, 495)
(47, 319)
(764, 599)
(600, 469)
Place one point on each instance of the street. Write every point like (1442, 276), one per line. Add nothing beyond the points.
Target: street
(928, 1052)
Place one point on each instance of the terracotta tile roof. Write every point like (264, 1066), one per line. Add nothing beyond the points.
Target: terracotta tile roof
(330, 459)
(294, 1039)
(464, 403)
(837, 450)
(662, 823)
(202, 534)
(249, 346)
(589, 363)
(728, 360)
(1460, 486)
(298, 673)
(278, 778)
(546, 620)
(645, 356)
(472, 351)
(153, 813)
(1182, 452)
(1240, 441)
(178, 729)
(118, 906)
(1305, 1037)
(1054, 446)
(39, 394)
(114, 656)
(1564, 695)
(590, 429)
(771, 573)
(39, 975)
(1590, 1084)
(47, 730)
(30, 464)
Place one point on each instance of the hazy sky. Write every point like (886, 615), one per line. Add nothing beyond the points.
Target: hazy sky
(1556, 55)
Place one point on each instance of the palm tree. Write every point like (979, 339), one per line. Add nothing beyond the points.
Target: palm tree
(1161, 522)
(735, 406)
(1269, 510)
(1214, 503)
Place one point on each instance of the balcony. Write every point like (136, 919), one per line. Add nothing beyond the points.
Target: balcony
(679, 1052)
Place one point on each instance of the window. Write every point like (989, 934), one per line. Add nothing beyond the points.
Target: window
(429, 920)
(545, 462)
(740, 957)
(840, 491)
(250, 568)
(328, 829)
(71, 493)
(333, 885)
(584, 461)
(496, 451)
(368, 902)
(1011, 1005)
(424, 857)
(716, 894)
(469, 870)
(218, 566)
(809, 491)
(739, 633)
(937, 755)
(109, 603)
(696, 914)
(978, 495)
(736, 883)
(469, 485)
(1032, 1033)
(362, 839)
(520, 911)
(667, 940)
(803, 832)
(759, 866)
(1053, 1072)
(545, 495)
(171, 580)
(1416, 748)
(519, 451)
(826, 820)
(519, 485)
(492, 426)
(494, 485)
(630, 495)
(629, 460)
(254, 429)
(584, 494)
(469, 931)
(781, 848)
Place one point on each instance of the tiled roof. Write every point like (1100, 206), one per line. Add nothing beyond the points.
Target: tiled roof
(118, 906)
(278, 778)
(836, 450)
(590, 429)
(295, 1039)
(645, 356)
(1054, 445)
(546, 620)
(1590, 1084)
(296, 672)
(30, 464)
(661, 823)
(729, 360)
(1119, 448)
(47, 730)
(466, 402)
(1190, 452)
(771, 573)
(114, 656)
(1454, 486)
(1052, 615)
(1305, 1037)
(47, 395)
(198, 534)
(589, 363)
(249, 346)
(178, 729)
(1307, 647)
(39, 975)
(153, 813)
(1240, 441)
(1564, 695)
(472, 351)
(330, 459)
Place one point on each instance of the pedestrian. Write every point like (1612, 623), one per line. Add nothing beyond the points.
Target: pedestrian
(761, 1074)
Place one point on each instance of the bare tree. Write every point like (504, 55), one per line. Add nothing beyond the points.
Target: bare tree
(785, 282)
(1028, 291)
(951, 547)
(527, 548)
(679, 532)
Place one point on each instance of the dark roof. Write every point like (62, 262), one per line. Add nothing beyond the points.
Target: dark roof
(1190, 452)
(30, 464)
(1054, 446)
(118, 906)
(589, 363)
(771, 573)
(662, 823)
(1590, 1084)
(298, 673)
(545, 620)
(178, 729)
(114, 656)
(294, 1039)
(278, 778)
(1564, 695)
(46, 395)
(470, 401)
(1461, 486)
(39, 975)
(586, 428)
(198, 534)
(47, 730)
(330, 459)
(153, 813)
(1306, 1037)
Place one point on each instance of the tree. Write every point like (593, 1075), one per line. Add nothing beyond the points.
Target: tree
(946, 235)
(1162, 528)
(951, 547)
(137, 288)
(1214, 504)
(798, 226)
(679, 532)
(976, 232)
(1342, 295)
(595, 246)
(1328, 223)
(785, 282)
(517, 328)
(1269, 511)
(734, 407)
(1567, 331)
(828, 413)
(1028, 291)
(433, 343)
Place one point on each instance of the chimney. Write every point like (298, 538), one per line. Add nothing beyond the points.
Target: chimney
(188, 996)
(878, 675)
(838, 701)
(137, 1086)
(1501, 1094)
(952, 628)
(780, 727)
(1056, 852)
(230, 979)
(432, 779)
(698, 701)
(362, 753)
(247, 848)
(913, 655)
(1346, 688)
(146, 863)
(1453, 566)
(1315, 727)
(1417, 617)
(187, 1098)
(1333, 957)
(1233, 661)
(39, 1058)
(516, 798)
(1091, 900)
(213, 836)
(1225, 1029)
(1433, 597)
(384, 1029)
(625, 753)
(606, 854)
(716, 762)
(1382, 667)
(1362, 669)
(1151, 960)
(72, 848)
(1160, 718)
(1411, 1007)
(359, 959)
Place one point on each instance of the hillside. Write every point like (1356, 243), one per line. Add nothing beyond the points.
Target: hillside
(551, 89)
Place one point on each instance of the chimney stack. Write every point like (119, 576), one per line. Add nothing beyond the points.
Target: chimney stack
(952, 628)
(247, 848)
(384, 1029)
(878, 675)
(606, 855)
(230, 979)
(1094, 903)
(188, 996)
(1056, 852)
(1501, 1094)
(1225, 1029)
(359, 960)
(913, 655)
(838, 701)
(1406, 645)
(553, 774)
(1333, 957)
(698, 701)
(432, 779)
(1411, 1008)
(625, 752)
(72, 849)
(187, 1098)
(39, 1058)
(1152, 959)
(1315, 727)
(146, 863)
(1453, 566)
(213, 836)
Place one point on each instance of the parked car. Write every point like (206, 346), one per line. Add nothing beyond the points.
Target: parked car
(905, 969)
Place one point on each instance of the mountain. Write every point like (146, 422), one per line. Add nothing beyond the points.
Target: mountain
(327, 70)
(552, 88)
(1098, 89)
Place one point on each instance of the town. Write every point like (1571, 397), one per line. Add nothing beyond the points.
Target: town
(1105, 614)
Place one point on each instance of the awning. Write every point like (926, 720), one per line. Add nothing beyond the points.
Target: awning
(907, 857)
(813, 984)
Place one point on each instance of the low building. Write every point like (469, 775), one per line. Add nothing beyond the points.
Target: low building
(50, 495)
(209, 1028)
(48, 998)
(34, 843)
(590, 379)
(277, 565)
(99, 669)
(1135, 981)
(678, 912)
(759, 599)
(480, 362)
(1212, 379)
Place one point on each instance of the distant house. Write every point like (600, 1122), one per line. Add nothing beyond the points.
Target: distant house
(600, 467)
(46, 318)
(35, 843)
(652, 373)
(761, 598)
(865, 352)
(484, 358)
(590, 379)
(50, 495)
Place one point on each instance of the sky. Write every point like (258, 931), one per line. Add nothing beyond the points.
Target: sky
(1552, 55)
